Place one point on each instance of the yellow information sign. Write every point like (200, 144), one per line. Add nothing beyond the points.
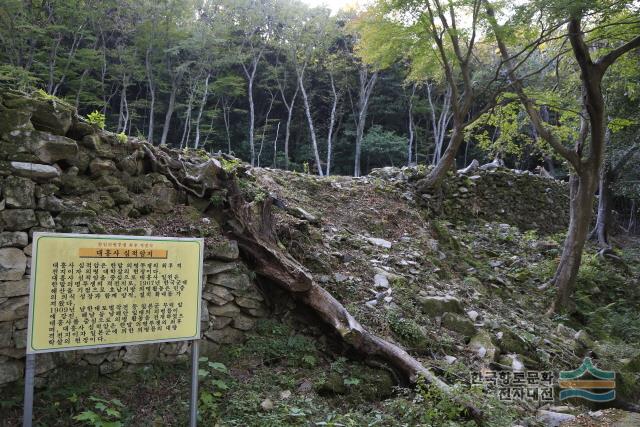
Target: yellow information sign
(92, 291)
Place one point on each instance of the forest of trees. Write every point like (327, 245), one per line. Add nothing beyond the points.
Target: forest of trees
(280, 84)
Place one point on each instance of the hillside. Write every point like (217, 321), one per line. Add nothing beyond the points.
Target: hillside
(456, 279)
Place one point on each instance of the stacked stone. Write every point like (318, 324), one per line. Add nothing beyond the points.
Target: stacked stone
(57, 174)
(517, 198)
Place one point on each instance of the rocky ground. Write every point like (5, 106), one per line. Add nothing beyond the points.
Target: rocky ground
(455, 278)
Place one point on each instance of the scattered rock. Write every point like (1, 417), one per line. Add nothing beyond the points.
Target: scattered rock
(483, 346)
(553, 419)
(379, 242)
(436, 305)
(381, 281)
(457, 323)
(226, 335)
(266, 405)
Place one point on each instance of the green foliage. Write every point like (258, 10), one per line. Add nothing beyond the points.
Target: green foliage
(12, 77)
(105, 413)
(215, 382)
(96, 118)
(122, 138)
(381, 147)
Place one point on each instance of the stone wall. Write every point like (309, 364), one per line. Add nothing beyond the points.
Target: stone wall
(60, 174)
(519, 198)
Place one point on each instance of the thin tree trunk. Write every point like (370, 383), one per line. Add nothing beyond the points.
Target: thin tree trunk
(275, 145)
(366, 87)
(203, 102)
(152, 93)
(312, 131)
(289, 106)
(264, 128)
(175, 82)
(186, 132)
(411, 133)
(332, 122)
(251, 75)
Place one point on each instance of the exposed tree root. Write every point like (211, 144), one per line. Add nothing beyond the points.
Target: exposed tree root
(250, 223)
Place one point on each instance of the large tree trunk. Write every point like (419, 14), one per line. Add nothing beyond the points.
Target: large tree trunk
(582, 190)
(447, 161)
(601, 231)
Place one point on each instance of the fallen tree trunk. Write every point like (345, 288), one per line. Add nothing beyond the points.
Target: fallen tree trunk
(250, 223)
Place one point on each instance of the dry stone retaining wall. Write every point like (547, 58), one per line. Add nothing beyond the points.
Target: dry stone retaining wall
(60, 174)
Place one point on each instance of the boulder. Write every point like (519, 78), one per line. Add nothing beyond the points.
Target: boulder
(137, 354)
(14, 288)
(553, 419)
(13, 263)
(45, 219)
(14, 309)
(34, 171)
(80, 217)
(19, 192)
(457, 323)
(79, 130)
(164, 198)
(51, 204)
(46, 147)
(13, 239)
(219, 295)
(12, 119)
(379, 242)
(226, 250)
(220, 322)
(483, 346)
(244, 323)
(226, 310)
(11, 370)
(6, 331)
(226, 335)
(215, 267)
(100, 167)
(110, 367)
(236, 281)
(18, 219)
(436, 305)
(49, 114)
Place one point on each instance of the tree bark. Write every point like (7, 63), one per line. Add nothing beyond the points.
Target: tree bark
(203, 102)
(332, 122)
(175, 82)
(366, 87)
(307, 110)
(152, 93)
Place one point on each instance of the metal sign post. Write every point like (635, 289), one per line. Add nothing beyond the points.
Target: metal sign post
(193, 407)
(29, 373)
